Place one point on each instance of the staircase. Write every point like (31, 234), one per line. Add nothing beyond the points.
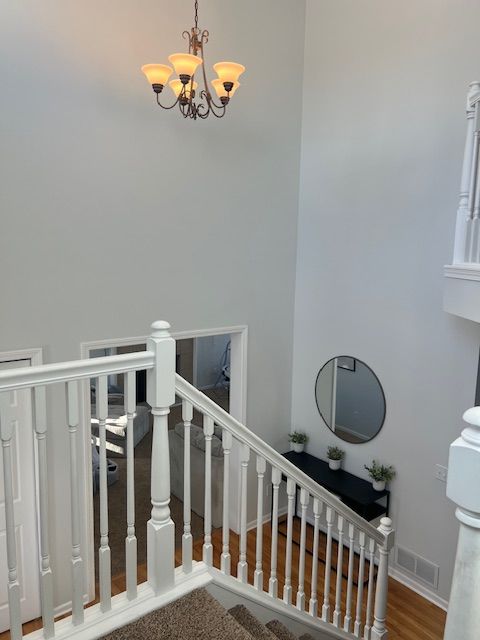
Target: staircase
(199, 615)
(348, 569)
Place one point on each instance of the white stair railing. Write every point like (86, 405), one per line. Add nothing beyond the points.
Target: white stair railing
(325, 600)
(344, 527)
(159, 361)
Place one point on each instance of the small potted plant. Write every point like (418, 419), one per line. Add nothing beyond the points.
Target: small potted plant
(298, 441)
(380, 475)
(335, 456)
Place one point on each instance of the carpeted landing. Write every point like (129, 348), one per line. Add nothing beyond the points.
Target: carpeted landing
(199, 616)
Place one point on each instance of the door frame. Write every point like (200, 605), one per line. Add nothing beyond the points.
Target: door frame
(35, 356)
(238, 409)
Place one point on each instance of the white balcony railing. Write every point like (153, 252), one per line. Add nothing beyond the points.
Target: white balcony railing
(467, 231)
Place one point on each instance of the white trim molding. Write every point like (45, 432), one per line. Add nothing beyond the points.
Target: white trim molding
(463, 271)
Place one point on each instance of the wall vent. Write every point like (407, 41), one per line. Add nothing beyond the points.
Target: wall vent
(423, 569)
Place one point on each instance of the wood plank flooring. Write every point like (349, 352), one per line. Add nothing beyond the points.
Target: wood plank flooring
(410, 617)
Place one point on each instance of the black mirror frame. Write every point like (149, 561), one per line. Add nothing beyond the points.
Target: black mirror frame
(381, 389)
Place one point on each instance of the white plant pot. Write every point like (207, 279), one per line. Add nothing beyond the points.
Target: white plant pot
(378, 485)
(297, 447)
(334, 464)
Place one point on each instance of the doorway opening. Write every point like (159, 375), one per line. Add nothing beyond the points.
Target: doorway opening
(16, 408)
(213, 362)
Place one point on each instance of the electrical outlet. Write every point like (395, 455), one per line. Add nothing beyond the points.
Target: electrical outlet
(441, 473)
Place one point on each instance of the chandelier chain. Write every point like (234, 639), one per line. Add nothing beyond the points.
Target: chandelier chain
(196, 14)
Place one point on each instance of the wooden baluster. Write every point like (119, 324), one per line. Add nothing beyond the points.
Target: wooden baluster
(187, 539)
(131, 539)
(287, 589)
(208, 430)
(104, 560)
(258, 575)
(379, 630)
(225, 562)
(273, 581)
(160, 395)
(317, 510)
(370, 589)
(13, 585)
(304, 500)
(338, 590)
(357, 628)
(46, 576)
(463, 222)
(77, 561)
(351, 555)
(242, 567)
(330, 515)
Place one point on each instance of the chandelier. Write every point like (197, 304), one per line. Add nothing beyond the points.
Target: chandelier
(185, 87)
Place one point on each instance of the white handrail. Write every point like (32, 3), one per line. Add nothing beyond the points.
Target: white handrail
(242, 433)
(74, 370)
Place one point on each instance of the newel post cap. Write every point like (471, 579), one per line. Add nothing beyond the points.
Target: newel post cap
(388, 532)
(160, 329)
(472, 416)
(464, 465)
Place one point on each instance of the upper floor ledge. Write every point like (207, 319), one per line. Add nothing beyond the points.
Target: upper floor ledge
(462, 290)
(463, 270)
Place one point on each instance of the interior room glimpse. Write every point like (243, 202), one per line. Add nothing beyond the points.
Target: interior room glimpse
(204, 362)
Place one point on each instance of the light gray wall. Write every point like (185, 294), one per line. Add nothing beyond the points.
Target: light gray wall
(209, 358)
(115, 213)
(382, 144)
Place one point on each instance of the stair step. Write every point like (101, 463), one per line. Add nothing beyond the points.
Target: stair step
(306, 636)
(280, 630)
(250, 623)
(196, 615)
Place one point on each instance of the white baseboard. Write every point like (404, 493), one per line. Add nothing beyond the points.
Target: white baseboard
(418, 587)
(266, 518)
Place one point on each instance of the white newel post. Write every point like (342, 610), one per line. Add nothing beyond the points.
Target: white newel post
(463, 618)
(160, 395)
(379, 630)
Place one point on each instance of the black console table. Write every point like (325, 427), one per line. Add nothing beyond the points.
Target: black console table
(355, 492)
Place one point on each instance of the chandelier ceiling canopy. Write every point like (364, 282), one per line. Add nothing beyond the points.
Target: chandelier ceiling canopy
(190, 67)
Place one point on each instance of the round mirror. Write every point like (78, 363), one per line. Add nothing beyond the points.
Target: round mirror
(350, 399)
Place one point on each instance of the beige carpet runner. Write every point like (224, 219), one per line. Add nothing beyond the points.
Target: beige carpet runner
(199, 616)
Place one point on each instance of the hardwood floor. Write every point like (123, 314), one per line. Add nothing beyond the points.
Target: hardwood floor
(410, 617)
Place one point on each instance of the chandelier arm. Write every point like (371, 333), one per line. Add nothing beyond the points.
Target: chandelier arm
(206, 91)
(183, 110)
(222, 112)
(203, 110)
(186, 35)
(163, 106)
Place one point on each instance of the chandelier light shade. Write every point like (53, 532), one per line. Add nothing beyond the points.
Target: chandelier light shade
(186, 66)
(228, 71)
(157, 73)
(177, 86)
(219, 87)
